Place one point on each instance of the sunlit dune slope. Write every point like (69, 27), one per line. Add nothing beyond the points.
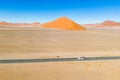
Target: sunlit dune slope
(64, 23)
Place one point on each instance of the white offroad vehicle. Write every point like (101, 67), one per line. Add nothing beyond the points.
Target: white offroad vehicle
(82, 58)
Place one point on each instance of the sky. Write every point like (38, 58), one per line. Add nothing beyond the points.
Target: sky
(81, 11)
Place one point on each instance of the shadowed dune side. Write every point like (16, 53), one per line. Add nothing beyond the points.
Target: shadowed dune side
(64, 24)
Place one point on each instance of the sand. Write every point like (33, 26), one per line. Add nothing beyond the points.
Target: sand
(51, 43)
(64, 24)
(91, 70)
(43, 43)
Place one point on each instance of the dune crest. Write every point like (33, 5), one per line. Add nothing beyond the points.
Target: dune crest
(64, 23)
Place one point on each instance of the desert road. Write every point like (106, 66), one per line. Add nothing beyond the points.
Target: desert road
(57, 59)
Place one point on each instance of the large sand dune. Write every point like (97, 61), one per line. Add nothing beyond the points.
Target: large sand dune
(64, 24)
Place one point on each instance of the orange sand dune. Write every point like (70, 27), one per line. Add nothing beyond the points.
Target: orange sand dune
(64, 23)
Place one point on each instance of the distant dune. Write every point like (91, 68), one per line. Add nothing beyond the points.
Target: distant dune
(6, 24)
(64, 23)
(107, 23)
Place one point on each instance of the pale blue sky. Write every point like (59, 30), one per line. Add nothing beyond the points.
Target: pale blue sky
(81, 11)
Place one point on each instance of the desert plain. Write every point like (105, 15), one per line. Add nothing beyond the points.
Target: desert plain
(37, 42)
